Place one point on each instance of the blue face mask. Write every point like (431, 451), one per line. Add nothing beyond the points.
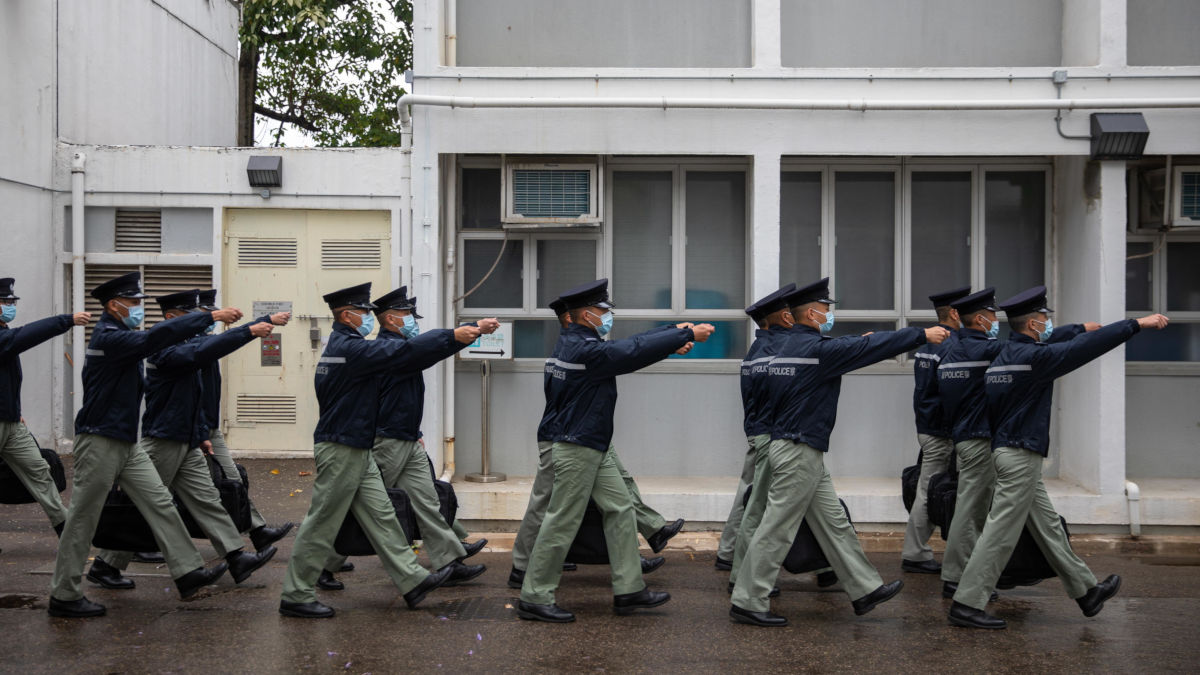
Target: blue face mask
(994, 330)
(8, 313)
(606, 323)
(367, 325)
(136, 316)
(828, 325)
(410, 329)
(1047, 330)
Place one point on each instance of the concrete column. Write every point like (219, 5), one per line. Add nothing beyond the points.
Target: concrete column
(766, 40)
(764, 225)
(425, 257)
(1090, 244)
(1113, 33)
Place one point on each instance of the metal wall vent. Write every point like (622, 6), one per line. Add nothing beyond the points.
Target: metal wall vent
(1189, 194)
(138, 232)
(351, 253)
(551, 193)
(266, 409)
(156, 280)
(266, 252)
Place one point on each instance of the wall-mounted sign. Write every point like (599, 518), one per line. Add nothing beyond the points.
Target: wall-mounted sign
(497, 345)
(271, 350)
(265, 307)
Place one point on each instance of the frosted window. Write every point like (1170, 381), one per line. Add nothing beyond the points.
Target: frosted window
(1015, 221)
(716, 240)
(563, 265)
(941, 228)
(503, 288)
(865, 224)
(799, 227)
(642, 239)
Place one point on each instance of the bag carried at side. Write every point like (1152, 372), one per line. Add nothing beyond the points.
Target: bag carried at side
(352, 540)
(12, 490)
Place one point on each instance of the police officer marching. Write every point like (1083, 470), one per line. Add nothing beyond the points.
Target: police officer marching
(933, 434)
(1020, 385)
(18, 448)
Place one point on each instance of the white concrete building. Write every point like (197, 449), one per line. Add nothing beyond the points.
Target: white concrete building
(715, 148)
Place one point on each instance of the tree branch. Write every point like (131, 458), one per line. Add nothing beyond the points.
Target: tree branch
(286, 117)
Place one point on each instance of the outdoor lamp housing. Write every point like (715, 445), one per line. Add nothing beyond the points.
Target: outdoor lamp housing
(265, 171)
(1119, 135)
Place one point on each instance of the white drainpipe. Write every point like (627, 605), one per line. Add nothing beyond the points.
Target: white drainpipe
(1133, 496)
(78, 248)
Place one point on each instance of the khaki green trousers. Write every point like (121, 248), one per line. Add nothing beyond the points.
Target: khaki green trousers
(99, 462)
(348, 480)
(935, 453)
(20, 452)
(649, 521)
(753, 513)
(976, 478)
(800, 488)
(579, 473)
(1020, 501)
(184, 471)
(220, 453)
(734, 522)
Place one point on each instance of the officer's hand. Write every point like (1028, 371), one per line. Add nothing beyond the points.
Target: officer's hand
(685, 349)
(701, 331)
(281, 318)
(1155, 321)
(1091, 326)
(936, 335)
(261, 329)
(488, 326)
(206, 447)
(81, 318)
(466, 334)
(227, 315)
(870, 332)
(422, 442)
(684, 325)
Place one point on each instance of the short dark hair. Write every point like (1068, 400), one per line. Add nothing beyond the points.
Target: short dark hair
(1017, 323)
(969, 318)
(943, 313)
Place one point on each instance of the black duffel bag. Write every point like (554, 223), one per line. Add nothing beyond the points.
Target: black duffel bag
(806, 555)
(447, 506)
(351, 540)
(1027, 560)
(12, 490)
(940, 499)
(908, 482)
(121, 526)
(589, 547)
(235, 497)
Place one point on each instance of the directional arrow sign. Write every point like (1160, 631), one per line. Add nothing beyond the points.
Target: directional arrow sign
(498, 345)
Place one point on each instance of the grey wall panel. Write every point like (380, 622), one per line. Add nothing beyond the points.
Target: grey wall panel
(187, 230)
(924, 33)
(613, 33)
(1162, 427)
(99, 229)
(1163, 33)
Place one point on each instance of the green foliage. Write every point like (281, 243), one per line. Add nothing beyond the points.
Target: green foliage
(331, 69)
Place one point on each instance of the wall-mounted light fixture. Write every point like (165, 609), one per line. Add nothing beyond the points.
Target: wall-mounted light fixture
(265, 171)
(1119, 135)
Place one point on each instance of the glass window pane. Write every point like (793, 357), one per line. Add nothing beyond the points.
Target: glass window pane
(728, 341)
(562, 265)
(1183, 277)
(865, 222)
(716, 240)
(799, 227)
(480, 198)
(1176, 342)
(843, 327)
(534, 338)
(503, 288)
(642, 239)
(1015, 221)
(941, 229)
(1137, 277)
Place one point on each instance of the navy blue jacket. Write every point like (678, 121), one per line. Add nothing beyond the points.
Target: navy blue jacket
(960, 383)
(175, 385)
(210, 398)
(806, 377)
(348, 383)
(545, 432)
(112, 371)
(13, 341)
(402, 388)
(754, 379)
(1020, 382)
(927, 405)
(583, 379)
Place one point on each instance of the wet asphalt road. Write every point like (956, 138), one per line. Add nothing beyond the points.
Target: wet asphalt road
(1151, 626)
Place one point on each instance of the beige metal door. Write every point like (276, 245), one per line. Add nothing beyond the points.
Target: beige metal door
(273, 257)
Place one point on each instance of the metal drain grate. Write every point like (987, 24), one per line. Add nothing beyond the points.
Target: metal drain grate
(475, 609)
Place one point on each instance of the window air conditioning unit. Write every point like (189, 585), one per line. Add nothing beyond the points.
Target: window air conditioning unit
(1185, 196)
(551, 196)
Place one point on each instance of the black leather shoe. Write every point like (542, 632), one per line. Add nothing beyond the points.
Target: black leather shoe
(763, 619)
(826, 579)
(1093, 601)
(949, 588)
(651, 564)
(626, 603)
(305, 610)
(1009, 583)
(59, 528)
(198, 578)
(346, 567)
(473, 548)
(242, 564)
(921, 566)
(773, 594)
(516, 578)
(570, 567)
(882, 594)
(74, 609)
(328, 582)
(417, 594)
(264, 536)
(658, 540)
(723, 564)
(969, 617)
(152, 557)
(550, 613)
(109, 577)
(460, 573)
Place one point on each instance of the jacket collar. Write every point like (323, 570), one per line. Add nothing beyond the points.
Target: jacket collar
(972, 333)
(385, 334)
(583, 331)
(346, 330)
(1021, 337)
(105, 317)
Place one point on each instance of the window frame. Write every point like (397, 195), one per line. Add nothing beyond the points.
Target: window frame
(1158, 297)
